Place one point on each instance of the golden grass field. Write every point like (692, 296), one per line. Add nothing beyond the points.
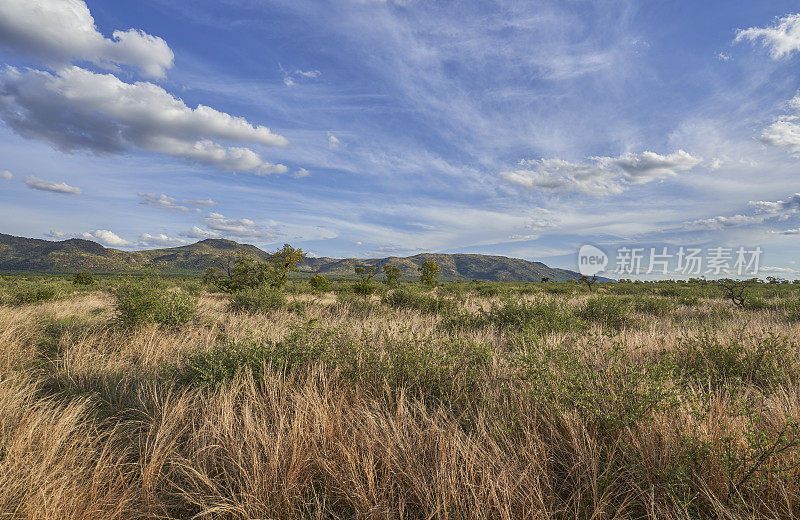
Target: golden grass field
(682, 409)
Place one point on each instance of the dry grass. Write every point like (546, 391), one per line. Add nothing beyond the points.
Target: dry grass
(92, 425)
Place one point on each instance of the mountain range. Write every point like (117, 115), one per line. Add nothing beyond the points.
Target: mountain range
(19, 254)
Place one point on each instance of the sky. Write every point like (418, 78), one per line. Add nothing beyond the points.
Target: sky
(368, 128)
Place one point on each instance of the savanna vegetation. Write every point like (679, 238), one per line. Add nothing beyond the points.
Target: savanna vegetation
(246, 394)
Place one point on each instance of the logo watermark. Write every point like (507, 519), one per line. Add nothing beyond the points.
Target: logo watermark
(680, 261)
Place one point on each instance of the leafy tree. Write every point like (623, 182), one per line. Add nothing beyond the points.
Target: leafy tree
(429, 272)
(588, 281)
(284, 261)
(212, 276)
(364, 285)
(392, 273)
(83, 278)
(320, 283)
(245, 271)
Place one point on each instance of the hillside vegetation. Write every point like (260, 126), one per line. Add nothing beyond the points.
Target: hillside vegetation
(125, 398)
(71, 256)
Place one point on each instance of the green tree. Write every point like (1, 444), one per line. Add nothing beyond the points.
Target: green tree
(320, 283)
(392, 273)
(429, 272)
(83, 278)
(283, 261)
(212, 276)
(364, 285)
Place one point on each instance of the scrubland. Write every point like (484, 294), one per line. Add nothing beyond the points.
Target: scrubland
(165, 399)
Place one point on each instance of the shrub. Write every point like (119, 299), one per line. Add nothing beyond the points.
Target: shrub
(148, 301)
(653, 306)
(83, 278)
(608, 311)
(600, 382)
(765, 361)
(407, 299)
(537, 317)
(263, 298)
(319, 283)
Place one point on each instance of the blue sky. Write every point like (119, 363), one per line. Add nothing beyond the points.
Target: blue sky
(377, 128)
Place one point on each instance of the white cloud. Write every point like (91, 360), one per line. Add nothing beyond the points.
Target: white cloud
(782, 38)
(7, 175)
(721, 222)
(105, 237)
(56, 234)
(159, 240)
(721, 56)
(603, 176)
(785, 131)
(80, 110)
(243, 228)
(199, 233)
(302, 172)
(200, 202)
(560, 175)
(60, 31)
(161, 201)
(333, 141)
(792, 231)
(647, 166)
(51, 186)
(792, 205)
(290, 79)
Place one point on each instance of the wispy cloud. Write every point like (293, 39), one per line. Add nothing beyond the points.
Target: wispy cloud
(51, 186)
(782, 38)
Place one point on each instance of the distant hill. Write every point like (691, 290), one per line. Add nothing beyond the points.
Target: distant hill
(18, 254)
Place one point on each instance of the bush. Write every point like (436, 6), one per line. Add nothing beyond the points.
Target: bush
(319, 283)
(537, 317)
(608, 311)
(407, 299)
(766, 361)
(148, 301)
(83, 278)
(262, 298)
(653, 306)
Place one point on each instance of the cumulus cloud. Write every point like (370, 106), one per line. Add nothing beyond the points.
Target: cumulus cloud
(161, 201)
(302, 172)
(7, 175)
(80, 110)
(51, 186)
(333, 142)
(199, 233)
(105, 237)
(602, 176)
(779, 207)
(722, 222)
(647, 166)
(159, 240)
(782, 38)
(785, 131)
(58, 32)
(200, 202)
(58, 235)
(560, 175)
(243, 228)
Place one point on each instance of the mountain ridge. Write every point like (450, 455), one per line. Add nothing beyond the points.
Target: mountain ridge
(20, 254)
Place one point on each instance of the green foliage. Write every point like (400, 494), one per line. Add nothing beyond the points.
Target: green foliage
(653, 306)
(212, 277)
(607, 311)
(392, 273)
(538, 317)
(364, 286)
(601, 383)
(429, 272)
(404, 298)
(450, 369)
(262, 298)
(83, 278)
(765, 361)
(319, 283)
(149, 301)
(246, 272)
(24, 291)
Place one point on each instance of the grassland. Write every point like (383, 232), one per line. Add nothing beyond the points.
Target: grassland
(152, 398)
